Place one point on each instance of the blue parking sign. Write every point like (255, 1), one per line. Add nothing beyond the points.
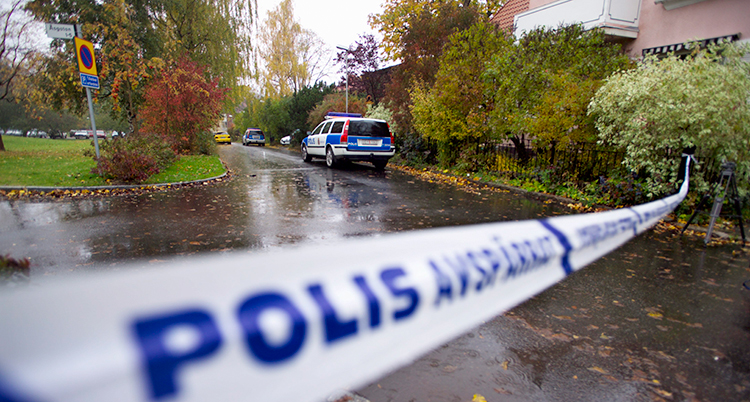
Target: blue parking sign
(89, 81)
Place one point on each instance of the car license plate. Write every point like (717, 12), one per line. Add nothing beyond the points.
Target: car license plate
(369, 143)
(255, 137)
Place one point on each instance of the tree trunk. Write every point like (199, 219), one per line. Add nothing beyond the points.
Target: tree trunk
(2, 146)
(523, 154)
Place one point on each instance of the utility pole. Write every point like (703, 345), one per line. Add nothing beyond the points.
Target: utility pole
(347, 75)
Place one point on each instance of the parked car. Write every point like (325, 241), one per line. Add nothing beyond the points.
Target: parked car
(349, 137)
(286, 140)
(254, 136)
(34, 133)
(81, 135)
(222, 138)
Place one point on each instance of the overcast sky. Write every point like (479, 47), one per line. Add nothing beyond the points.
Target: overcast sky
(337, 22)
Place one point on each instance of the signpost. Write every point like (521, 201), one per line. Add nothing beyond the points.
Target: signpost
(89, 79)
(86, 64)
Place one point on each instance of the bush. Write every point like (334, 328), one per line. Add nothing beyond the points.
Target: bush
(133, 159)
(205, 144)
(671, 104)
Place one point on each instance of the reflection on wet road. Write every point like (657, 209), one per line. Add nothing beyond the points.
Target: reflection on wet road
(274, 200)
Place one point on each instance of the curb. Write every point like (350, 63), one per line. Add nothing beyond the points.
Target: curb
(115, 187)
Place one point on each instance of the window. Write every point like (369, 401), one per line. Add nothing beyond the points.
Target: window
(365, 128)
(317, 129)
(326, 127)
(338, 127)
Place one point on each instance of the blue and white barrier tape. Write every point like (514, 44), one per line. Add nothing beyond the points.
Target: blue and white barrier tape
(291, 325)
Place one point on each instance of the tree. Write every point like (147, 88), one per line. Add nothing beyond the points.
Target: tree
(181, 105)
(454, 112)
(302, 103)
(274, 118)
(213, 33)
(133, 38)
(335, 102)
(423, 28)
(382, 112)
(15, 49)
(530, 78)
(667, 105)
(293, 57)
(399, 17)
(24, 117)
(16, 53)
(360, 64)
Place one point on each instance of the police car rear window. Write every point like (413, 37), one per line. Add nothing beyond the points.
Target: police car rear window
(365, 128)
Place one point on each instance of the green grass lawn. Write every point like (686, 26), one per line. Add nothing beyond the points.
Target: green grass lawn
(189, 168)
(61, 163)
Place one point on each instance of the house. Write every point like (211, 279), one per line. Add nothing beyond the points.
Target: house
(641, 26)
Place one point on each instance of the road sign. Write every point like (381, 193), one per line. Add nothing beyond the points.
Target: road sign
(60, 31)
(89, 81)
(85, 54)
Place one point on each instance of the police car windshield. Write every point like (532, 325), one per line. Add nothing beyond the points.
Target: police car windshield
(368, 128)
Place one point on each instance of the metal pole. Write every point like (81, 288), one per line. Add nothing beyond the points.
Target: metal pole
(93, 122)
(347, 83)
(347, 75)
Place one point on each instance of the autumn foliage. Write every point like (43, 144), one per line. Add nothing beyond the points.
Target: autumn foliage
(181, 104)
(133, 159)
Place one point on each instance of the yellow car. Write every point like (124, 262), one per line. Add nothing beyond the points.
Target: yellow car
(222, 138)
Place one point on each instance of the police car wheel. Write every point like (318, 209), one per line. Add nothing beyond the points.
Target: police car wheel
(330, 157)
(305, 156)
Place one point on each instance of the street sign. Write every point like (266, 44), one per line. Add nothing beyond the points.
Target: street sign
(60, 31)
(85, 54)
(89, 81)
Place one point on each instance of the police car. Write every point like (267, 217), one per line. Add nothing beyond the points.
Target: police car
(349, 137)
(254, 136)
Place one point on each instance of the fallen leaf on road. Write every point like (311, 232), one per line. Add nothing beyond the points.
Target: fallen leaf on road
(598, 370)
(656, 315)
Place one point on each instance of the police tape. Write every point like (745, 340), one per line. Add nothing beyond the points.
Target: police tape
(292, 325)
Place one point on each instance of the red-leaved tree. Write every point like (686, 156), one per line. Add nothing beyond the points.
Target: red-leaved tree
(181, 104)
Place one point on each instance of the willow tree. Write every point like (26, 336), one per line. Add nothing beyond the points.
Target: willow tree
(292, 57)
(214, 33)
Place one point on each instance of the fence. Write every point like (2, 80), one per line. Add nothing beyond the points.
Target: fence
(585, 161)
(581, 161)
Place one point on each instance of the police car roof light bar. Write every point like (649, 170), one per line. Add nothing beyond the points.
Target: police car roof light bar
(332, 115)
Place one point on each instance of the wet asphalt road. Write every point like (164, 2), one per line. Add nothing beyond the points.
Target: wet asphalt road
(662, 318)
(275, 200)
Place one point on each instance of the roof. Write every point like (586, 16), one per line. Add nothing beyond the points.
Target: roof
(504, 17)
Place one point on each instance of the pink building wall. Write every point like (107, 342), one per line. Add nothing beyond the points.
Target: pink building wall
(703, 20)
(707, 19)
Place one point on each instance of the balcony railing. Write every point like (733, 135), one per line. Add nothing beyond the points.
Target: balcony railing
(617, 17)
